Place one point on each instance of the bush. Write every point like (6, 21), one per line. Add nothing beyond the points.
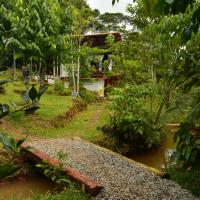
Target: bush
(131, 119)
(59, 86)
(188, 138)
(87, 95)
(188, 179)
(67, 92)
(60, 89)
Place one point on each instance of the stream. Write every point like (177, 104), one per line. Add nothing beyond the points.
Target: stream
(25, 189)
(157, 157)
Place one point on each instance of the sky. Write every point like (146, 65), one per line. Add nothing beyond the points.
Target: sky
(106, 5)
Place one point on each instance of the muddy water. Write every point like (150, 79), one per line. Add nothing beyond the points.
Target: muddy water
(25, 189)
(158, 157)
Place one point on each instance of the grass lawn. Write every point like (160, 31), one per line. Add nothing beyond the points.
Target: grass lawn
(83, 125)
(51, 104)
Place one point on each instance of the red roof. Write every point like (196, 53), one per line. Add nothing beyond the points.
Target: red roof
(98, 39)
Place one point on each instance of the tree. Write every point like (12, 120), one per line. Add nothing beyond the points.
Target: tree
(169, 49)
(38, 30)
(81, 22)
(108, 22)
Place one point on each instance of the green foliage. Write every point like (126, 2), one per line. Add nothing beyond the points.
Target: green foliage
(69, 194)
(7, 170)
(31, 98)
(35, 30)
(11, 145)
(108, 22)
(10, 152)
(188, 137)
(4, 110)
(132, 120)
(2, 83)
(55, 173)
(88, 96)
(188, 179)
(59, 87)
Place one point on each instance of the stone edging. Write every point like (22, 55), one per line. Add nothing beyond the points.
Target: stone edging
(88, 185)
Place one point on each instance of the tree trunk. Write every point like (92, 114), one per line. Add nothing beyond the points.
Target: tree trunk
(14, 66)
(42, 74)
(163, 103)
(78, 67)
(78, 76)
(73, 77)
(54, 69)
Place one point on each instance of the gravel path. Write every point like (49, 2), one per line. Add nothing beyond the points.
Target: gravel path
(121, 179)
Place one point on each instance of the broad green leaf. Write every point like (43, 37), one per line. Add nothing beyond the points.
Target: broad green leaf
(7, 170)
(33, 93)
(8, 142)
(4, 110)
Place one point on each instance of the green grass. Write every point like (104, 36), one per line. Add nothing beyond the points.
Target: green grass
(66, 195)
(83, 125)
(187, 179)
(51, 105)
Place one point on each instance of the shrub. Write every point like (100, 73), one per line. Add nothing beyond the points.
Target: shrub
(87, 95)
(67, 92)
(188, 137)
(188, 179)
(131, 119)
(59, 87)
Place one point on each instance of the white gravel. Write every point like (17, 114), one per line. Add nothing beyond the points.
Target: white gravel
(121, 179)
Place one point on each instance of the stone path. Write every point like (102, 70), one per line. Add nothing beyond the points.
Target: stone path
(121, 179)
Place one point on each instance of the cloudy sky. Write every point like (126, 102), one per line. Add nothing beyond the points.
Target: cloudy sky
(106, 5)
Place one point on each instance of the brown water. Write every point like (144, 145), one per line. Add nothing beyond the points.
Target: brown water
(158, 157)
(25, 189)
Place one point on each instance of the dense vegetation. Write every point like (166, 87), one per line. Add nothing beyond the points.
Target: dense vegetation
(163, 54)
